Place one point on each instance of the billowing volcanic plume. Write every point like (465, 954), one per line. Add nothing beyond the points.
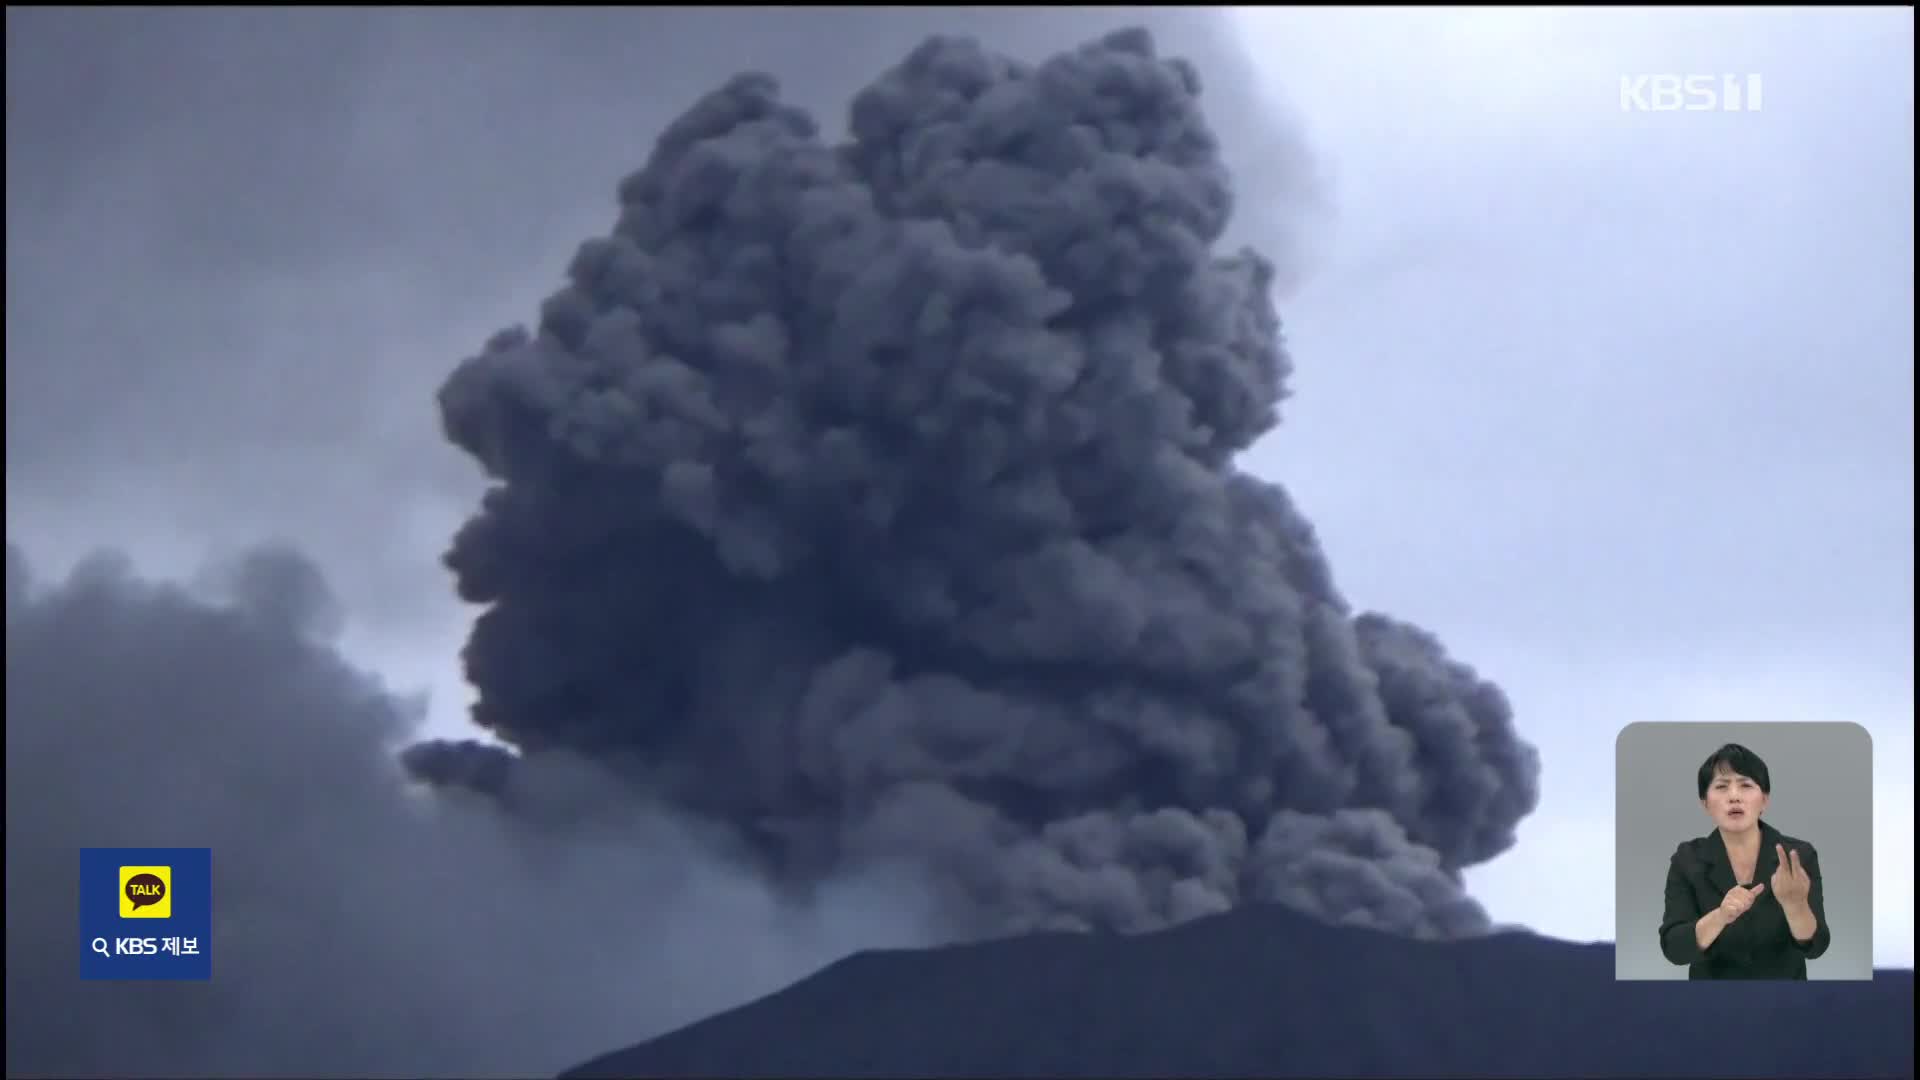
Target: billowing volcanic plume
(879, 499)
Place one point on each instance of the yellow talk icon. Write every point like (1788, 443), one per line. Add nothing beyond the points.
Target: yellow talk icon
(146, 892)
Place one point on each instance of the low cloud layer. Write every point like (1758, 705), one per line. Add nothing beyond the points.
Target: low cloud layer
(361, 928)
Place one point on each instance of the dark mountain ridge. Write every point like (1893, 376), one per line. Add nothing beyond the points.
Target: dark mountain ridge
(1262, 991)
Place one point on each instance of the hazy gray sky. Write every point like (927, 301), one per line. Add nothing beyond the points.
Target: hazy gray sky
(1618, 404)
(1621, 404)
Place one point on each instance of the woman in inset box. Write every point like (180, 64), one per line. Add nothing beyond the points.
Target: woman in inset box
(1743, 901)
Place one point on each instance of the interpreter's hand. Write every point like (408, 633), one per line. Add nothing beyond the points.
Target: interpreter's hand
(1790, 880)
(1738, 900)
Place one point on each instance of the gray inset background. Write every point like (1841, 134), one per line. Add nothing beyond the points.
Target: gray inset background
(1822, 779)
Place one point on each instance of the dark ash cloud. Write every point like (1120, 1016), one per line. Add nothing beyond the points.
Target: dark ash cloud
(361, 928)
(877, 497)
(867, 521)
(302, 216)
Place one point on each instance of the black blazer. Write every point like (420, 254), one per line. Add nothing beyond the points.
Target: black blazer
(1757, 945)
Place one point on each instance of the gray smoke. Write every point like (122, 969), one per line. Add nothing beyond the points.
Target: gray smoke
(877, 497)
(361, 929)
(867, 522)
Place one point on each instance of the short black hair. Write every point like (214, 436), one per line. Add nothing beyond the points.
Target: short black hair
(1742, 761)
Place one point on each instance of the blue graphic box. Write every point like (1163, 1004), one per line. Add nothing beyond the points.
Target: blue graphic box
(146, 913)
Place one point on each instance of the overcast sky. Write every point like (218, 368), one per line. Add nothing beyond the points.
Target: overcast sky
(1620, 404)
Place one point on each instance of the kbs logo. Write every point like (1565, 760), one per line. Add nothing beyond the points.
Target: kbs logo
(146, 913)
(1690, 93)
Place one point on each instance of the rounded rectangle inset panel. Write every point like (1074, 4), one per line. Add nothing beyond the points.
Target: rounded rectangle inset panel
(1703, 815)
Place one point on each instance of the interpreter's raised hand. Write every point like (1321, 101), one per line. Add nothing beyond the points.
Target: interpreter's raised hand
(1738, 900)
(1791, 883)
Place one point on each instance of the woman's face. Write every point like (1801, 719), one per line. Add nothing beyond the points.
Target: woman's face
(1734, 802)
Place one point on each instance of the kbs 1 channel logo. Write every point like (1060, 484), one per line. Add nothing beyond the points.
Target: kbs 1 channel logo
(146, 913)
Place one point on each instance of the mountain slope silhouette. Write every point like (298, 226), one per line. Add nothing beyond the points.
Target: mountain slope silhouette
(1261, 991)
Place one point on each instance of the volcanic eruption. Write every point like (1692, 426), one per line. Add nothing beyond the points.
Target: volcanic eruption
(878, 498)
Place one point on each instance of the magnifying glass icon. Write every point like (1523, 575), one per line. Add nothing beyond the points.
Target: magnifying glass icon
(100, 946)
